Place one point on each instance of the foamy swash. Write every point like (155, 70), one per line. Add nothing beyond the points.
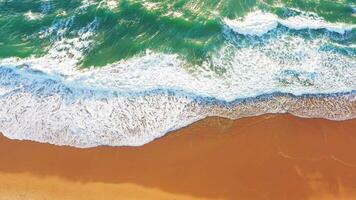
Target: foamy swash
(135, 100)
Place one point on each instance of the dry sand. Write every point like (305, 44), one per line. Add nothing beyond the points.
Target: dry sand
(270, 157)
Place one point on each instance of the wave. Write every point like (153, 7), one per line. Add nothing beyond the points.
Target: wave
(285, 63)
(258, 23)
(36, 107)
(289, 65)
(33, 16)
(81, 112)
(133, 101)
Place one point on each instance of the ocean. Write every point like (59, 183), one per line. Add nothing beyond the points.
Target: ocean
(125, 72)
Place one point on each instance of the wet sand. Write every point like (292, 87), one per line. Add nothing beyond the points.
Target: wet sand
(270, 157)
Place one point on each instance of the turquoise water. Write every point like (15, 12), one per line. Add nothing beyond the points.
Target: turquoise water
(191, 29)
(108, 72)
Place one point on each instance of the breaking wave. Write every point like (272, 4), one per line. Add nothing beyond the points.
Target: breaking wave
(130, 102)
(258, 23)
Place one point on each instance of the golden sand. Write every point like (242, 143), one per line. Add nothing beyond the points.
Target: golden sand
(270, 157)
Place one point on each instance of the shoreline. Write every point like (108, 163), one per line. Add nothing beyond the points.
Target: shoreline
(77, 118)
(273, 156)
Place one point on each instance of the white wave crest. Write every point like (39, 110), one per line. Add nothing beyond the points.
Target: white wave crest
(255, 23)
(33, 16)
(289, 64)
(258, 23)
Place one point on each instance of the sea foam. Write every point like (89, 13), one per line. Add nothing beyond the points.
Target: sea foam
(42, 109)
(258, 23)
(133, 101)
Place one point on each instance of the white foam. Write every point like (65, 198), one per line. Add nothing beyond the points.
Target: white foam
(111, 4)
(302, 22)
(88, 118)
(287, 64)
(254, 23)
(49, 99)
(33, 16)
(86, 3)
(151, 5)
(39, 108)
(4, 91)
(249, 71)
(258, 23)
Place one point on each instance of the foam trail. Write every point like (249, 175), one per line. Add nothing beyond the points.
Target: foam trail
(33, 16)
(255, 23)
(258, 23)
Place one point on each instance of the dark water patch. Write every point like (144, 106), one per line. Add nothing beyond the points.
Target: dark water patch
(135, 29)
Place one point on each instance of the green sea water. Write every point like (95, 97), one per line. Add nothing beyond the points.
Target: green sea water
(190, 28)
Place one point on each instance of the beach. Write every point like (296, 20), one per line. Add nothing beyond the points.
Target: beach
(269, 157)
(177, 100)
